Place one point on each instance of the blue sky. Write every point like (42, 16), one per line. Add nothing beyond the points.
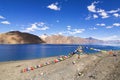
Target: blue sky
(84, 18)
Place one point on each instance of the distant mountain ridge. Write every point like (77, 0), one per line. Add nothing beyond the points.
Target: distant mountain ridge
(16, 37)
(60, 39)
(117, 42)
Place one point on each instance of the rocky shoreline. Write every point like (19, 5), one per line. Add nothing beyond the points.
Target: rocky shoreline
(101, 66)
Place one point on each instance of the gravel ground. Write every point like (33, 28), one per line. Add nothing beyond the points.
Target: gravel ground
(102, 66)
(115, 73)
(106, 68)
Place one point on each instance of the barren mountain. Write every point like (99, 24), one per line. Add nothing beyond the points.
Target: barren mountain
(91, 40)
(16, 37)
(60, 39)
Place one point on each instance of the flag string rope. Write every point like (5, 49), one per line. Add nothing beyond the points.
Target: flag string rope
(61, 58)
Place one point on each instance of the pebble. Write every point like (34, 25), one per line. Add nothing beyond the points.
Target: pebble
(73, 62)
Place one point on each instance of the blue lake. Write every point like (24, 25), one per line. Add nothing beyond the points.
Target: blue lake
(34, 51)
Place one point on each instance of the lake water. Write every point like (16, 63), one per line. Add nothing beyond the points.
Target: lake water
(34, 51)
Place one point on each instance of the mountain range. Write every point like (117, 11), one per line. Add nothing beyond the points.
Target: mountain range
(60, 39)
(17, 37)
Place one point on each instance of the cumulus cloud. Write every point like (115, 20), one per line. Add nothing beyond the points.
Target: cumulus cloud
(72, 31)
(92, 7)
(116, 15)
(68, 27)
(95, 16)
(88, 18)
(94, 28)
(108, 27)
(101, 12)
(54, 6)
(116, 24)
(5, 22)
(76, 31)
(60, 33)
(1, 17)
(114, 11)
(102, 24)
(37, 26)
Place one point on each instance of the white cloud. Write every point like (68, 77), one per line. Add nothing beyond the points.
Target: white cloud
(71, 31)
(1, 17)
(79, 30)
(37, 26)
(102, 24)
(5, 22)
(103, 14)
(88, 18)
(94, 28)
(111, 26)
(54, 6)
(95, 16)
(61, 33)
(68, 27)
(100, 10)
(108, 27)
(44, 28)
(113, 37)
(114, 11)
(40, 23)
(116, 24)
(32, 28)
(43, 36)
(76, 31)
(92, 7)
(116, 15)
